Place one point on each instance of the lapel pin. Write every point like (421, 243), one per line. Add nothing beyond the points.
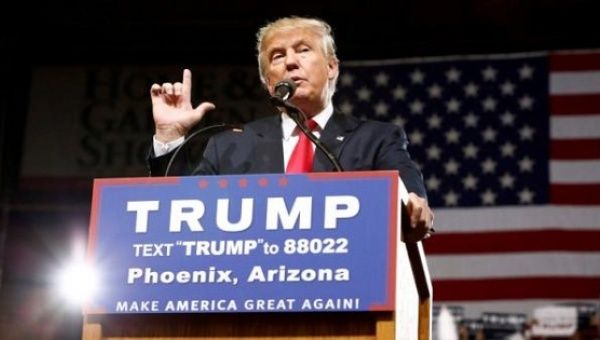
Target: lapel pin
(340, 138)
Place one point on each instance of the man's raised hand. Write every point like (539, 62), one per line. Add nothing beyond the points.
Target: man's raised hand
(172, 108)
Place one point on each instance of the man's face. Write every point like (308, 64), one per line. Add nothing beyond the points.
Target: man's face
(298, 54)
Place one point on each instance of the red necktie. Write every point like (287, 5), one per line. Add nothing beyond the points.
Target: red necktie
(301, 159)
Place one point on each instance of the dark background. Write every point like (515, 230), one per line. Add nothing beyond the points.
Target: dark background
(97, 32)
(182, 32)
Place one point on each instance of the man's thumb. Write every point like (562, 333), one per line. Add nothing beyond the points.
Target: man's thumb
(204, 107)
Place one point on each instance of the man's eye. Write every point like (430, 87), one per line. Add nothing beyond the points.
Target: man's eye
(277, 56)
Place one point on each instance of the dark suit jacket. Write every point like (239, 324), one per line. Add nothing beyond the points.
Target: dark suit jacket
(358, 145)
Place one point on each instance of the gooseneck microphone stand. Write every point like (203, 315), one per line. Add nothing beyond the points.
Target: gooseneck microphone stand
(222, 126)
(300, 117)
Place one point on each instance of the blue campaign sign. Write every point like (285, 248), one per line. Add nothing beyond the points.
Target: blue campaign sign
(245, 243)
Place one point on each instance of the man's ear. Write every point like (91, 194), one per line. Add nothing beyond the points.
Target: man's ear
(333, 68)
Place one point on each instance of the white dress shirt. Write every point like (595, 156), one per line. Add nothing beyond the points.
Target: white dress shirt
(291, 131)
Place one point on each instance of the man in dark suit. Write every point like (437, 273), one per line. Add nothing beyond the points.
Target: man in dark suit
(301, 50)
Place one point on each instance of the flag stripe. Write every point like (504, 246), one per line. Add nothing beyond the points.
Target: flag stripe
(575, 105)
(568, 194)
(574, 82)
(522, 264)
(575, 149)
(518, 288)
(517, 218)
(574, 61)
(514, 241)
(573, 172)
(575, 127)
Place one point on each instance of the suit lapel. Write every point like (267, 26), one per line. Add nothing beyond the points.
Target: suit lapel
(268, 151)
(338, 129)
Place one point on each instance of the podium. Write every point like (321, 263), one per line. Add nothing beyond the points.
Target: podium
(308, 256)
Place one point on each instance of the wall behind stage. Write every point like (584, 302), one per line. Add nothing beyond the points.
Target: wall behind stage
(96, 121)
(86, 122)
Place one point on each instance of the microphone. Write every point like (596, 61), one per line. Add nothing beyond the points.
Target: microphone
(283, 92)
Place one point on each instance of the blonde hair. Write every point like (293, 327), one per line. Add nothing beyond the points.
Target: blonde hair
(316, 25)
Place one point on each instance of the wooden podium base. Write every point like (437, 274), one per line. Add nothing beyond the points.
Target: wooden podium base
(297, 326)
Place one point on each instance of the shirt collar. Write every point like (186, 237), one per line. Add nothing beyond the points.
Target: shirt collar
(288, 125)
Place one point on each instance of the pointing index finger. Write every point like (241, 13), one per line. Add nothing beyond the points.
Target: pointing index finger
(187, 84)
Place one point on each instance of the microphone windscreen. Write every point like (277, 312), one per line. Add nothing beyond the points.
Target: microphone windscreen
(285, 89)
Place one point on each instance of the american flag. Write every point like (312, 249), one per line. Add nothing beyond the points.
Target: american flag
(509, 146)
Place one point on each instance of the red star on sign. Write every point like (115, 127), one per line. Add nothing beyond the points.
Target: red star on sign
(203, 184)
(223, 183)
(283, 181)
(263, 182)
(243, 183)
